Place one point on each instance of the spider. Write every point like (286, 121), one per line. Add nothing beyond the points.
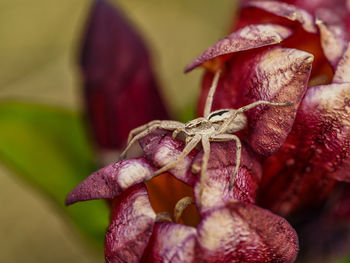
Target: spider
(216, 126)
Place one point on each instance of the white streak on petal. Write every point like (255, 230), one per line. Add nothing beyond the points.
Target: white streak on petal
(133, 172)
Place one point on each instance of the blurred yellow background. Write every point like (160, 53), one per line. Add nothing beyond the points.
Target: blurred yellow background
(39, 48)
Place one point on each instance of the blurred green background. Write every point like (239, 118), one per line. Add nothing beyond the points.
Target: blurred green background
(44, 150)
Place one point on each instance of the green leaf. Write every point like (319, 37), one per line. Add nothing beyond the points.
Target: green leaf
(344, 260)
(48, 147)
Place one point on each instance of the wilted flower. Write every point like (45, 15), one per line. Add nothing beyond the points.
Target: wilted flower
(316, 151)
(291, 156)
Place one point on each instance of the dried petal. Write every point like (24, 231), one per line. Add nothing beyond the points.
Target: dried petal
(131, 226)
(250, 37)
(284, 10)
(245, 233)
(220, 168)
(342, 73)
(325, 113)
(171, 243)
(318, 147)
(161, 149)
(333, 35)
(111, 180)
(120, 89)
(272, 74)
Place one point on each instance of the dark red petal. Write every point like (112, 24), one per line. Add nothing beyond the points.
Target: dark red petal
(111, 180)
(171, 243)
(243, 232)
(120, 88)
(317, 148)
(287, 11)
(334, 39)
(250, 37)
(161, 149)
(222, 162)
(131, 226)
(273, 74)
(325, 114)
(342, 74)
(341, 207)
(340, 8)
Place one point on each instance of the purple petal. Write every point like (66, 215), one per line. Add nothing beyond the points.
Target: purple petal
(249, 37)
(171, 243)
(221, 165)
(245, 233)
(273, 74)
(333, 35)
(120, 89)
(324, 126)
(161, 149)
(131, 227)
(342, 73)
(290, 12)
(316, 152)
(111, 180)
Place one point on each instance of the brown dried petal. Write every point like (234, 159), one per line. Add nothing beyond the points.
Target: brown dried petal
(333, 35)
(273, 74)
(249, 37)
(131, 227)
(111, 180)
(243, 232)
(221, 165)
(290, 12)
(342, 73)
(161, 149)
(171, 243)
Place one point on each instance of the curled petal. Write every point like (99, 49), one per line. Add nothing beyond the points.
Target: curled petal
(161, 149)
(243, 232)
(221, 165)
(249, 37)
(111, 180)
(333, 35)
(342, 74)
(316, 151)
(120, 88)
(171, 243)
(287, 11)
(272, 74)
(131, 226)
(325, 114)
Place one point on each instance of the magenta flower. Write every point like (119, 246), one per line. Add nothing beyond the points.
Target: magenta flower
(292, 157)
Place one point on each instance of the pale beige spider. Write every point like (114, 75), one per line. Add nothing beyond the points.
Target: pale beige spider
(218, 125)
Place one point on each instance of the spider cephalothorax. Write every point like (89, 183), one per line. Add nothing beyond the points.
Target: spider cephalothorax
(216, 126)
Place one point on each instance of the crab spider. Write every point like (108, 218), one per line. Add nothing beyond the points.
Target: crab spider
(218, 125)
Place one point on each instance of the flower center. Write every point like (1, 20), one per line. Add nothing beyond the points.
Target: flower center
(170, 196)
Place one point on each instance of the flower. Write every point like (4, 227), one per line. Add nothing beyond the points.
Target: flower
(291, 156)
(316, 150)
(116, 71)
(230, 232)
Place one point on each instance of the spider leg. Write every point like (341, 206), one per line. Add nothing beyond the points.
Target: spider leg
(177, 131)
(204, 168)
(139, 129)
(263, 102)
(209, 101)
(147, 129)
(188, 148)
(228, 137)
